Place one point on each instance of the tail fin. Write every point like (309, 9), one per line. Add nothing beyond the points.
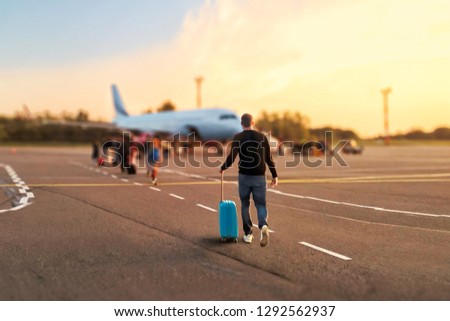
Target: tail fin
(118, 103)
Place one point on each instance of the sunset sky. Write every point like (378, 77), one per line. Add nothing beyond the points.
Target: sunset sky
(326, 59)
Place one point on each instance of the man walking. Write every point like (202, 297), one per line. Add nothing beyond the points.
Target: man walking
(254, 153)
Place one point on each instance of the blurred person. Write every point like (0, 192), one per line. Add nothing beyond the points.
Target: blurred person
(154, 158)
(254, 153)
(120, 155)
(125, 150)
(132, 157)
(96, 156)
(95, 151)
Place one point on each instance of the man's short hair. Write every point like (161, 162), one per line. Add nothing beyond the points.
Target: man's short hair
(246, 120)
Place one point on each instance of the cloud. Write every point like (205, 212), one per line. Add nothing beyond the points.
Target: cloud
(328, 61)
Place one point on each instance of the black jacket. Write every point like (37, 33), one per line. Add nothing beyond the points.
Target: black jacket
(254, 153)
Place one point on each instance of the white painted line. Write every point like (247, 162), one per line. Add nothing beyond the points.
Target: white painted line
(322, 200)
(124, 180)
(285, 194)
(361, 206)
(113, 176)
(105, 173)
(97, 170)
(176, 196)
(18, 207)
(138, 184)
(23, 200)
(206, 208)
(197, 176)
(155, 189)
(339, 256)
(256, 225)
(23, 189)
(374, 208)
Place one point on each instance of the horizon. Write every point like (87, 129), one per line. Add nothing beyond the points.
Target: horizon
(328, 62)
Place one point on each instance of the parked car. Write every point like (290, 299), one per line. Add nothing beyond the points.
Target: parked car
(352, 147)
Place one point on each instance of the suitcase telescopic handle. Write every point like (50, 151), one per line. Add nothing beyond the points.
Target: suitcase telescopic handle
(221, 187)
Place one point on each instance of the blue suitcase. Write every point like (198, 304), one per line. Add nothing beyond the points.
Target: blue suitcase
(228, 221)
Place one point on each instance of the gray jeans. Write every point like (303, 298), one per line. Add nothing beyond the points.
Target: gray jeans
(255, 185)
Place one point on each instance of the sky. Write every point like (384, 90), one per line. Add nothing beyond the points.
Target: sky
(325, 59)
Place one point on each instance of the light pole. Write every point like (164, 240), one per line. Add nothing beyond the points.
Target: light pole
(198, 81)
(385, 92)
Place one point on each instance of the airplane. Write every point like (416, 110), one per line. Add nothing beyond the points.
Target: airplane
(209, 124)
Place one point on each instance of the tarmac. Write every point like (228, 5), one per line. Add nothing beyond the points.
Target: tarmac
(377, 228)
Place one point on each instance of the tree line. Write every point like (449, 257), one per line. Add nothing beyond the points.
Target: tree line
(293, 126)
(440, 133)
(284, 125)
(55, 128)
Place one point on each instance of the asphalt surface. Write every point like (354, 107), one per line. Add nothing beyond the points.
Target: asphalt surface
(377, 229)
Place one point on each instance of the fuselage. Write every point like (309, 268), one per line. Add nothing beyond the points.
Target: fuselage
(209, 124)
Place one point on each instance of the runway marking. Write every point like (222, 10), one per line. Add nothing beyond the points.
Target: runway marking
(256, 225)
(362, 181)
(360, 220)
(206, 208)
(372, 179)
(406, 180)
(114, 176)
(214, 181)
(176, 196)
(358, 179)
(105, 173)
(359, 205)
(73, 185)
(138, 184)
(124, 180)
(155, 189)
(340, 256)
(16, 208)
(24, 190)
(188, 183)
(197, 176)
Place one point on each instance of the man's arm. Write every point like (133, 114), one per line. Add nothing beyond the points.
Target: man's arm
(269, 160)
(232, 156)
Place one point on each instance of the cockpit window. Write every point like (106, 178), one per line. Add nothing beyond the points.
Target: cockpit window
(228, 116)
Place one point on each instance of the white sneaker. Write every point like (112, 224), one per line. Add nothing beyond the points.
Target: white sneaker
(248, 238)
(155, 181)
(264, 236)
